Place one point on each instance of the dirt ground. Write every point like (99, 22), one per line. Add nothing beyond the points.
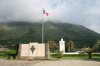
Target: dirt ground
(49, 63)
(68, 63)
(18, 62)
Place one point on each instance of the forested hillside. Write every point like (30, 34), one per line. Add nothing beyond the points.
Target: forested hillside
(12, 33)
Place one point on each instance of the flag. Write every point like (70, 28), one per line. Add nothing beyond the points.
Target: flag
(46, 13)
(43, 11)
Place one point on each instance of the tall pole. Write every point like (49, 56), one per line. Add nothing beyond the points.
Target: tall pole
(47, 55)
(43, 29)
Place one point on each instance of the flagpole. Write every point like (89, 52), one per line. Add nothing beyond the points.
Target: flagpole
(43, 24)
(43, 29)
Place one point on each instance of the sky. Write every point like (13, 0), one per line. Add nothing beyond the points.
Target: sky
(82, 12)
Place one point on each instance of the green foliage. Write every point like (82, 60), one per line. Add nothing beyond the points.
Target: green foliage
(25, 32)
(88, 51)
(8, 54)
(53, 46)
(59, 54)
(95, 57)
(70, 46)
(76, 55)
(71, 55)
(3, 53)
(11, 53)
(96, 47)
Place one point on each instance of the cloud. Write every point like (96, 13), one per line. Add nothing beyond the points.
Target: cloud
(83, 12)
(92, 14)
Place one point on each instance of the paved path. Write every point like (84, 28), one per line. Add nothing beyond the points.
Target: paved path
(68, 63)
(48, 63)
(18, 62)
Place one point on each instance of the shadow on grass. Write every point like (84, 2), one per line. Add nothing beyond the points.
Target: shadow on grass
(96, 59)
(78, 58)
(92, 59)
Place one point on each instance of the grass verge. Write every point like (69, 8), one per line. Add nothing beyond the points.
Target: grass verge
(95, 57)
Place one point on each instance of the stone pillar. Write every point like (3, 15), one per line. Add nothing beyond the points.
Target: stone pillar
(19, 51)
(62, 45)
(47, 51)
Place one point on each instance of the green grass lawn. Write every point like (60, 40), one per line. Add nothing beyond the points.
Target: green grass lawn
(95, 57)
(2, 57)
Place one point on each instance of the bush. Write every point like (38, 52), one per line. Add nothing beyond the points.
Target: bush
(11, 53)
(2, 53)
(59, 54)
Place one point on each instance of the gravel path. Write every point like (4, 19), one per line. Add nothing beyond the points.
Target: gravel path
(18, 62)
(48, 63)
(68, 63)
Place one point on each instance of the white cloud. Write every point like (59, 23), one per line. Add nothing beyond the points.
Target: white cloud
(84, 12)
(92, 20)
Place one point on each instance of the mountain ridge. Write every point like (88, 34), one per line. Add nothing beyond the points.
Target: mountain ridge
(24, 32)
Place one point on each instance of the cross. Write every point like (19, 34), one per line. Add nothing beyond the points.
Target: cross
(32, 48)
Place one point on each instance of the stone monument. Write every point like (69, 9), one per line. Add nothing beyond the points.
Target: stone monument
(32, 51)
(62, 45)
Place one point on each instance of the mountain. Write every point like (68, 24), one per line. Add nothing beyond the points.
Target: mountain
(24, 32)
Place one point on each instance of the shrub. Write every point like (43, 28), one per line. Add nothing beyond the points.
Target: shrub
(11, 53)
(59, 54)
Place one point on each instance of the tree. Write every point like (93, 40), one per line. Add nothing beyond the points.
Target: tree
(96, 47)
(70, 46)
(88, 51)
(53, 46)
